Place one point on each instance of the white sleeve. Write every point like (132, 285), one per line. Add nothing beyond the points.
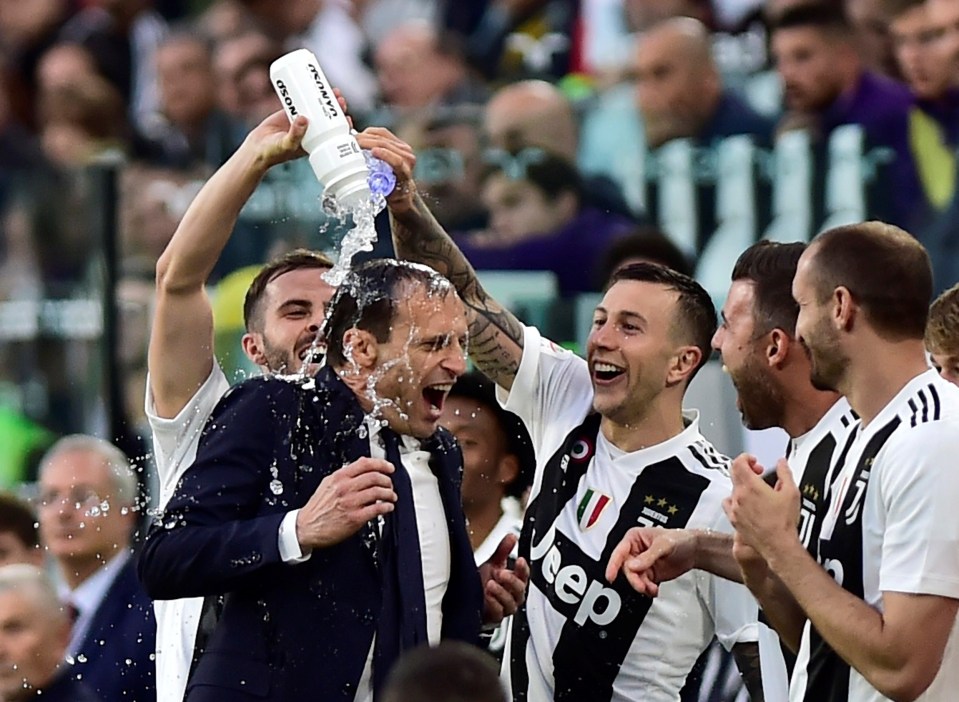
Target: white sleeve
(733, 608)
(290, 550)
(175, 440)
(551, 385)
(919, 492)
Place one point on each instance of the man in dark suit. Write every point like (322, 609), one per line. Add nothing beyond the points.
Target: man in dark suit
(327, 507)
(34, 632)
(86, 514)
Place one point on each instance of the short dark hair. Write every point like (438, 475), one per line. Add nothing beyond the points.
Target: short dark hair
(942, 329)
(18, 518)
(885, 269)
(646, 242)
(367, 300)
(476, 386)
(771, 267)
(452, 672)
(290, 261)
(695, 313)
(824, 16)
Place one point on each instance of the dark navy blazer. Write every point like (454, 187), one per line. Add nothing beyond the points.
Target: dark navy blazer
(288, 631)
(115, 658)
(66, 688)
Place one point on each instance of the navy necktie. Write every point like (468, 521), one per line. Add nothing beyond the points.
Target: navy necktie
(402, 622)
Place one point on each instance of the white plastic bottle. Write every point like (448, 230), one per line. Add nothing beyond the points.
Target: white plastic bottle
(335, 156)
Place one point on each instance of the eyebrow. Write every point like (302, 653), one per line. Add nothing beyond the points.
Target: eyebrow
(624, 313)
(295, 303)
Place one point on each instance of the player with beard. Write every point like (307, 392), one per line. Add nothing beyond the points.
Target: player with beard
(283, 311)
(881, 612)
(613, 447)
(770, 369)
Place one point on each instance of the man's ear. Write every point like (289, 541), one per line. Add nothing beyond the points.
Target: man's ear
(844, 308)
(507, 469)
(252, 343)
(685, 361)
(360, 348)
(777, 348)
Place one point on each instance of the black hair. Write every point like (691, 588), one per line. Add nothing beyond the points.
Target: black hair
(771, 267)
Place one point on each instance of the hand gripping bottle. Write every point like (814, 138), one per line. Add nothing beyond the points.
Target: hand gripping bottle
(335, 157)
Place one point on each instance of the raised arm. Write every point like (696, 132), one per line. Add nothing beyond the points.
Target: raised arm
(181, 343)
(496, 335)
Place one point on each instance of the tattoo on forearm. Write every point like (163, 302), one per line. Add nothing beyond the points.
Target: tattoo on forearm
(417, 236)
(747, 660)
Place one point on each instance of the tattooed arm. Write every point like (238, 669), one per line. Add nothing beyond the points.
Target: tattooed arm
(747, 660)
(496, 335)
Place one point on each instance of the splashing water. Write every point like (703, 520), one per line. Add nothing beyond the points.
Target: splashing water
(362, 236)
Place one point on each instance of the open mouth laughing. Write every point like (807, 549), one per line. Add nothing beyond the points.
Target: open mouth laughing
(606, 372)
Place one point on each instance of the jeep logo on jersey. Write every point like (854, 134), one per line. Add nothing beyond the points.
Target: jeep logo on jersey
(329, 104)
(285, 96)
(593, 601)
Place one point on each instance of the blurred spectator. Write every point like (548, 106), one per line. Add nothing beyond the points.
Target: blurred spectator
(538, 221)
(153, 202)
(531, 113)
(827, 86)
(643, 245)
(679, 90)
(123, 37)
(62, 64)
(19, 536)
(449, 164)
(450, 672)
(242, 68)
(870, 23)
(87, 515)
(418, 67)
(934, 117)
(34, 631)
(190, 129)
(329, 29)
(945, 15)
(83, 121)
(942, 334)
(534, 113)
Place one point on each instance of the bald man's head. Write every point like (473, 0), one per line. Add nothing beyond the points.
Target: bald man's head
(678, 84)
(531, 113)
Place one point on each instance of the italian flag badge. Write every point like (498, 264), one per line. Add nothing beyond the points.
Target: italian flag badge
(590, 507)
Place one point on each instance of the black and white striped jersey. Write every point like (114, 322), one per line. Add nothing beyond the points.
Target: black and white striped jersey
(579, 637)
(892, 526)
(812, 457)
